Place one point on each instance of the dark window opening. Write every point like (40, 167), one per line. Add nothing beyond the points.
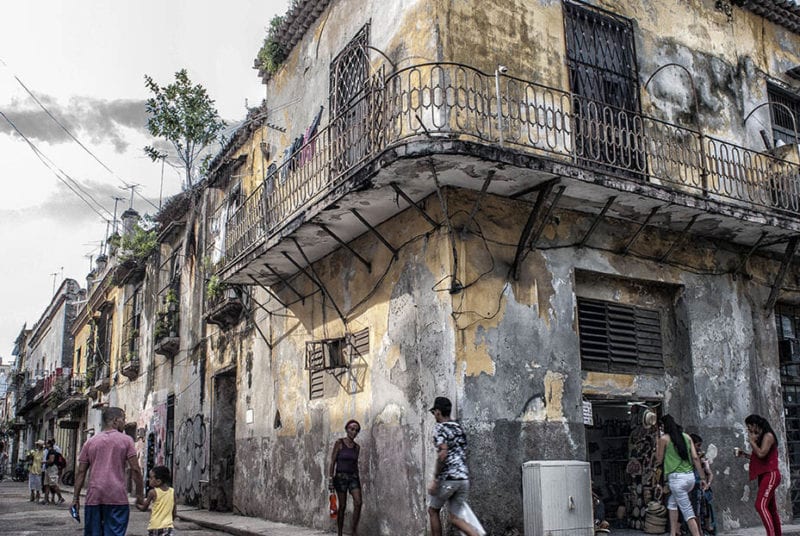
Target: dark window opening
(787, 319)
(783, 120)
(335, 358)
(619, 338)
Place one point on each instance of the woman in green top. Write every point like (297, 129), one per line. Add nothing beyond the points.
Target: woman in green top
(679, 456)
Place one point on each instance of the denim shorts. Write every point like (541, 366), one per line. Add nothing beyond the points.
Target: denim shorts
(344, 482)
(452, 492)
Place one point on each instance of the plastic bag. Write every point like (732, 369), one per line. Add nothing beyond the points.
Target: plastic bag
(468, 515)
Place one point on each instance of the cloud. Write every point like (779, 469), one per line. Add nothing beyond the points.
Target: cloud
(64, 207)
(96, 120)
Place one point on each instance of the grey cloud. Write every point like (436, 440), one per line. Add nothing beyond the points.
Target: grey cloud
(61, 206)
(89, 119)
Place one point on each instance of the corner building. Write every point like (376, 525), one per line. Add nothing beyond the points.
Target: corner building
(559, 214)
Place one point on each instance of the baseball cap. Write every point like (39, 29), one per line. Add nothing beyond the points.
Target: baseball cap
(442, 403)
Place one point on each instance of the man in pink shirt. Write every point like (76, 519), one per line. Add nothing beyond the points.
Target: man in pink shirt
(105, 456)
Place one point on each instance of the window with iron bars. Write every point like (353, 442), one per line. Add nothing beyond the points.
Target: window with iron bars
(785, 115)
(332, 356)
(130, 330)
(619, 338)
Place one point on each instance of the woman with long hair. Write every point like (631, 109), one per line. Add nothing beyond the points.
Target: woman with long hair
(344, 475)
(676, 451)
(764, 466)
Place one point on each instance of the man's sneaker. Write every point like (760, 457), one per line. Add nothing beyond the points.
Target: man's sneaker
(61, 500)
(44, 502)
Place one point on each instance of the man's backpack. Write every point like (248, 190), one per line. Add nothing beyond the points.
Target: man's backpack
(59, 460)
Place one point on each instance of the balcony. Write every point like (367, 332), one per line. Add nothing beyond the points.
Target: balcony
(387, 146)
(75, 393)
(224, 306)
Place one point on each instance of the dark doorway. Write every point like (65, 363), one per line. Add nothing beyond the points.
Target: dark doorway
(223, 442)
(788, 325)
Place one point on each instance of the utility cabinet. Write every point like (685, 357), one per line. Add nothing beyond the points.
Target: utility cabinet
(557, 498)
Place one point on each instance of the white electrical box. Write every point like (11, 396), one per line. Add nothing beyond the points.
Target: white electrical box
(557, 498)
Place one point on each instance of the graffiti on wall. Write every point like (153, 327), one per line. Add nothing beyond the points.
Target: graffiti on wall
(190, 460)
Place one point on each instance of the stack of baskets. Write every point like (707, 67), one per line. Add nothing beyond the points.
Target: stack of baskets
(655, 519)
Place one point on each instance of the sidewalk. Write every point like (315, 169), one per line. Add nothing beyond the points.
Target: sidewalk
(253, 526)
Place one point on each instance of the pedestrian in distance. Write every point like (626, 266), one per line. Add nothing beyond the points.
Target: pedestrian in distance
(450, 484)
(676, 451)
(35, 458)
(702, 500)
(343, 475)
(162, 497)
(764, 466)
(53, 465)
(105, 456)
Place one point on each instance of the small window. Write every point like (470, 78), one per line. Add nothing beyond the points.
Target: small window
(785, 113)
(619, 338)
(337, 363)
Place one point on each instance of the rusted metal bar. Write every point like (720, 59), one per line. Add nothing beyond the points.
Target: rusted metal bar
(317, 281)
(639, 230)
(527, 229)
(680, 238)
(374, 231)
(750, 252)
(477, 205)
(791, 247)
(284, 281)
(346, 246)
(268, 291)
(543, 223)
(415, 206)
(597, 220)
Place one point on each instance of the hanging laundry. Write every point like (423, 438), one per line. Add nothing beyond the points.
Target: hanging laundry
(311, 131)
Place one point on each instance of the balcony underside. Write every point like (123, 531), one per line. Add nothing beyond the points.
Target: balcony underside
(417, 164)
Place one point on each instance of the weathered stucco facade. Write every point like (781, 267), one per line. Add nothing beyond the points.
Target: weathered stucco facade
(477, 298)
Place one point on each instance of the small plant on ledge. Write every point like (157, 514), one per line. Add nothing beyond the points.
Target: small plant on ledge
(214, 288)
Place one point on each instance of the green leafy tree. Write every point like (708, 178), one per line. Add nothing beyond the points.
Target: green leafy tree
(184, 115)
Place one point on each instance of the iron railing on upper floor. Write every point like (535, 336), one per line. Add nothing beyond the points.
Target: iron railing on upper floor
(458, 102)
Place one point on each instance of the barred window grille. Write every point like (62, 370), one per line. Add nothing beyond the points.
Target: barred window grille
(619, 338)
(604, 78)
(784, 121)
(332, 355)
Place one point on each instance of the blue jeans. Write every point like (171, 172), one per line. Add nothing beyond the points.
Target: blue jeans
(106, 520)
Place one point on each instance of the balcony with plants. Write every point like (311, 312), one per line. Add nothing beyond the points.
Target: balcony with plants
(531, 133)
(224, 305)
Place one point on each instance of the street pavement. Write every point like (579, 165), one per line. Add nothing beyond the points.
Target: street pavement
(20, 517)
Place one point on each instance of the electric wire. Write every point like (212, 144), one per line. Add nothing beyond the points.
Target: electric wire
(77, 189)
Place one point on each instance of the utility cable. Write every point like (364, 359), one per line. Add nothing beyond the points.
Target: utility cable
(76, 189)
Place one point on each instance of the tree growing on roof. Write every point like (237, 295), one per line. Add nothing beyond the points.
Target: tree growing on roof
(184, 115)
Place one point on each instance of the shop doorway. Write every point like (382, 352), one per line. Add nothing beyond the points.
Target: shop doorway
(620, 443)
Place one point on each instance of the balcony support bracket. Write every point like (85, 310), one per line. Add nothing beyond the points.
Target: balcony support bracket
(268, 291)
(597, 220)
(284, 281)
(374, 231)
(680, 239)
(345, 245)
(477, 205)
(314, 277)
(543, 223)
(413, 205)
(527, 230)
(750, 252)
(791, 247)
(649, 217)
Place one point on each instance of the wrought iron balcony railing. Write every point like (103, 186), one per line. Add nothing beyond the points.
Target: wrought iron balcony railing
(456, 102)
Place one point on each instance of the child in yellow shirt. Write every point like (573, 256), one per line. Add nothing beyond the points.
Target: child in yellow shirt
(162, 497)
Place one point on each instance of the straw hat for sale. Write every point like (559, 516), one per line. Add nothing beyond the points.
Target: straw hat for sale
(649, 419)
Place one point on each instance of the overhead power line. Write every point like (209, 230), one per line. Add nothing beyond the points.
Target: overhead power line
(61, 175)
(75, 139)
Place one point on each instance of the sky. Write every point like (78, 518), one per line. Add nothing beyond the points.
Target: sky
(85, 62)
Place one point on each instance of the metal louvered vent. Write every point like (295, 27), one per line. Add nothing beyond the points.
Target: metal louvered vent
(619, 338)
